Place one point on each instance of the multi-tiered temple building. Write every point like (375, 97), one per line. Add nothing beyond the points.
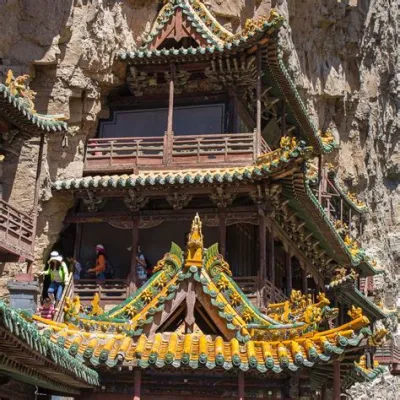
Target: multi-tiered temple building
(265, 290)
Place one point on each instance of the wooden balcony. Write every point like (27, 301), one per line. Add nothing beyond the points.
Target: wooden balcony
(128, 155)
(389, 354)
(16, 234)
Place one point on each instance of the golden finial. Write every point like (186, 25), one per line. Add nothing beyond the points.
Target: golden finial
(195, 244)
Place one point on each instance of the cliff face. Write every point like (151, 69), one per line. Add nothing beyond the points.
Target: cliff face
(342, 55)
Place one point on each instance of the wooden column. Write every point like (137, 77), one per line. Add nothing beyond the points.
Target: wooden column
(289, 278)
(241, 385)
(262, 272)
(258, 122)
(320, 178)
(133, 283)
(168, 137)
(271, 256)
(304, 280)
(138, 383)
(222, 232)
(37, 180)
(171, 101)
(336, 380)
(36, 196)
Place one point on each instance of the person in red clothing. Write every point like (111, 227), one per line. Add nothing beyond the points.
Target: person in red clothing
(101, 263)
(47, 309)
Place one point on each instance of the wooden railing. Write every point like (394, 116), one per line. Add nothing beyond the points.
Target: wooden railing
(269, 292)
(16, 230)
(272, 294)
(127, 154)
(389, 353)
(110, 291)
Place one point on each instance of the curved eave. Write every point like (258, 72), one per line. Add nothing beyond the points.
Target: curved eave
(183, 350)
(310, 210)
(76, 374)
(352, 296)
(237, 44)
(193, 177)
(361, 210)
(14, 110)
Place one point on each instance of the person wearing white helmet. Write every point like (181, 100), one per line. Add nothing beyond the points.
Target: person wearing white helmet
(58, 273)
(101, 263)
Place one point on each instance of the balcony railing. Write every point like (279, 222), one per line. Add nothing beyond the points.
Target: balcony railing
(129, 154)
(16, 231)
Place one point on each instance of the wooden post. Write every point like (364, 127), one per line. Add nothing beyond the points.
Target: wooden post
(320, 179)
(37, 180)
(241, 385)
(271, 259)
(171, 101)
(304, 280)
(168, 136)
(133, 282)
(78, 236)
(263, 255)
(289, 278)
(138, 383)
(36, 196)
(222, 232)
(336, 380)
(258, 122)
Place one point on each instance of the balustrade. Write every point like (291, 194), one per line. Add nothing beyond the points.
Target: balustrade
(128, 154)
(16, 231)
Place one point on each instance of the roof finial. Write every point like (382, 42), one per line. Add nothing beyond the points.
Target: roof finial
(195, 244)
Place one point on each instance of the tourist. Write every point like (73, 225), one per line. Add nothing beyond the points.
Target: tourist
(47, 310)
(141, 267)
(75, 268)
(101, 263)
(58, 273)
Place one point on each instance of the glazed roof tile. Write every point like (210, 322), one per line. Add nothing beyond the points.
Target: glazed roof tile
(14, 108)
(37, 344)
(285, 339)
(220, 43)
(307, 207)
(277, 161)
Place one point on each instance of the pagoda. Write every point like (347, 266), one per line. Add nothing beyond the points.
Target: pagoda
(208, 130)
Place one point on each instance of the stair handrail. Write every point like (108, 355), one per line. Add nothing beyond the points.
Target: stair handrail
(67, 292)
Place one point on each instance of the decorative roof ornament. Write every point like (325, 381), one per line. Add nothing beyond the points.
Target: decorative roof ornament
(17, 106)
(195, 244)
(19, 87)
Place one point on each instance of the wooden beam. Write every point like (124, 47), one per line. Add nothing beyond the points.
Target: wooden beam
(222, 232)
(289, 277)
(138, 383)
(166, 215)
(336, 380)
(241, 385)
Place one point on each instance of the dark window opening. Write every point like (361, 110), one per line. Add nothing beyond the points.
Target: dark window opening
(172, 43)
